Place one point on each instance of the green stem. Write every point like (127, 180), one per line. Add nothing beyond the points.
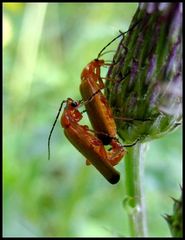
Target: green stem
(135, 195)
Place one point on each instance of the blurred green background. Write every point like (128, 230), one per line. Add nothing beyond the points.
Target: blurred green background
(45, 47)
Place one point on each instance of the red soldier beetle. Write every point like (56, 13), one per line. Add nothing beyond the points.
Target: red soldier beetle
(98, 109)
(87, 143)
(99, 113)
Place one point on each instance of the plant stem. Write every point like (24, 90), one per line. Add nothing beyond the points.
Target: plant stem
(135, 196)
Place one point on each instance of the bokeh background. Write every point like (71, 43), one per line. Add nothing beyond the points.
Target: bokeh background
(45, 47)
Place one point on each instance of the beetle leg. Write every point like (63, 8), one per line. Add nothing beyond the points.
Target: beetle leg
(87, 162)
(116, 153)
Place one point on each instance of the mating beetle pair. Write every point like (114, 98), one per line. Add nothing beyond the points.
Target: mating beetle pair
(91, 143)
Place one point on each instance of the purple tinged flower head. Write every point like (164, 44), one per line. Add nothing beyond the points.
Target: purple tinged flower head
(148, 74)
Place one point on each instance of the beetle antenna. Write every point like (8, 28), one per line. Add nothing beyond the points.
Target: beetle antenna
(100, 53)
(121, 34)
(51, 131)
(109, 51)
(90, 98)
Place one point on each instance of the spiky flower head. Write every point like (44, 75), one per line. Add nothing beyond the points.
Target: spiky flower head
(175, 220)
(146, 90)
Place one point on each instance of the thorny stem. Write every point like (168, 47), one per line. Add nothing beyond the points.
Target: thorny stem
(134, 201)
